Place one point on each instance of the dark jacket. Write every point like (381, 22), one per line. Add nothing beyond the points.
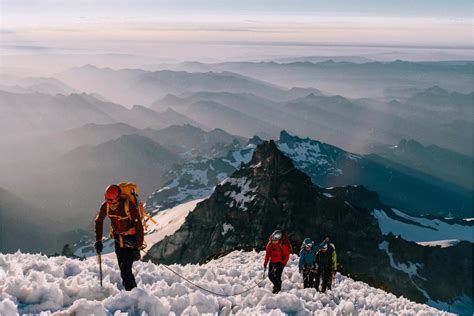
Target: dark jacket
(326, 260)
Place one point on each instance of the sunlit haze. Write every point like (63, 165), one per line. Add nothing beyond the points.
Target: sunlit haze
(170, 31)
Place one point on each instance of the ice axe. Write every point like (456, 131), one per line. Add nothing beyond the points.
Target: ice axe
(99, 260)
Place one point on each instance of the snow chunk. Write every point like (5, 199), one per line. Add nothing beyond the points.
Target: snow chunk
(329, 195)
(7, 307)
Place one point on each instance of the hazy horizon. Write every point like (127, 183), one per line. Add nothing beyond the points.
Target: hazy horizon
(50, 36)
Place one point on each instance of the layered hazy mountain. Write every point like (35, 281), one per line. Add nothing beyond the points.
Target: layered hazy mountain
(37, 112)
(189, 141)
(347, 78)
(269, 193)
(354, 124)
(185, 140)
(51, 86)
(136, 86)
(440, 162)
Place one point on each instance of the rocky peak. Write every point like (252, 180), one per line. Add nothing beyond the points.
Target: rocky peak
(255, 140)
(268, 159)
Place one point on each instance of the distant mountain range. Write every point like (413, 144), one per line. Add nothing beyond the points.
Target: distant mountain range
(136, 86)
(27, 113)
(348, 79)
(327, 166)
(354, 124)
(269, 193)
(50, 86)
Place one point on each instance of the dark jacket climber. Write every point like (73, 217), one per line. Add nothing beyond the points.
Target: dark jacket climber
(326, 260)
(278, 253)
(127, 231)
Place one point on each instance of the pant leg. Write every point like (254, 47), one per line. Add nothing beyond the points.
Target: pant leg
(326, 280)
(125, 258)
(317, 278)
(272, 273)
(306, 279)
(279, 272)
(311, 278)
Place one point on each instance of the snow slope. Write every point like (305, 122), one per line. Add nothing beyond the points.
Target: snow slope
(421, 229)
(61, 286)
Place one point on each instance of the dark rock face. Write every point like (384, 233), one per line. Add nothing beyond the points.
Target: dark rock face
(270, 193)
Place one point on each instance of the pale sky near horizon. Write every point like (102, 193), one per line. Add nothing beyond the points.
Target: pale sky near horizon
(147, 26)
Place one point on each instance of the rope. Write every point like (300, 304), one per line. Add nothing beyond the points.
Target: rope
(202, 288)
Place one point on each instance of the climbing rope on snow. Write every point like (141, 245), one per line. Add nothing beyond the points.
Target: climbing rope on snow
(202, 288)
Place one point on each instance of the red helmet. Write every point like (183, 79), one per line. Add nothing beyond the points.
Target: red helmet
(112, 192)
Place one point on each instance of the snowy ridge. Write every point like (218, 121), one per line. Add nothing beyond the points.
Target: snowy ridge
(60, 286)
(310, 153)
(196, 179)
(420, 229)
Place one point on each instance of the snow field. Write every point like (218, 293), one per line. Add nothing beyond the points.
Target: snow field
(422, 229)
(36, 284)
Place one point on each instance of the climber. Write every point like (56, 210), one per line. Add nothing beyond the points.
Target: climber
(278, 253)
(326, 261)
(307, 263)
(126, 230)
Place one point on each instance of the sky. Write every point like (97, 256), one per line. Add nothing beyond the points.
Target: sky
(174, 28)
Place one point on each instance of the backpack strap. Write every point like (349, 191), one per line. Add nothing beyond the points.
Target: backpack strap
(126, 207)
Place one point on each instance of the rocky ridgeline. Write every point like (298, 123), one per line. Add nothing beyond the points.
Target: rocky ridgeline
(269, 193)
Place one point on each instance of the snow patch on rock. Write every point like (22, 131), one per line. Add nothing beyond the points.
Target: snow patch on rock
(440, 243)
(244, 194)
(226, 228)
(410, 268)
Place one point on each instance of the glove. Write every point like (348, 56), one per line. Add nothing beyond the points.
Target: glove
(141, 245)
(98, 246)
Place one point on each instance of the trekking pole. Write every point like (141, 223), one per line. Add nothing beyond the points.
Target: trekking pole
(99, 260)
